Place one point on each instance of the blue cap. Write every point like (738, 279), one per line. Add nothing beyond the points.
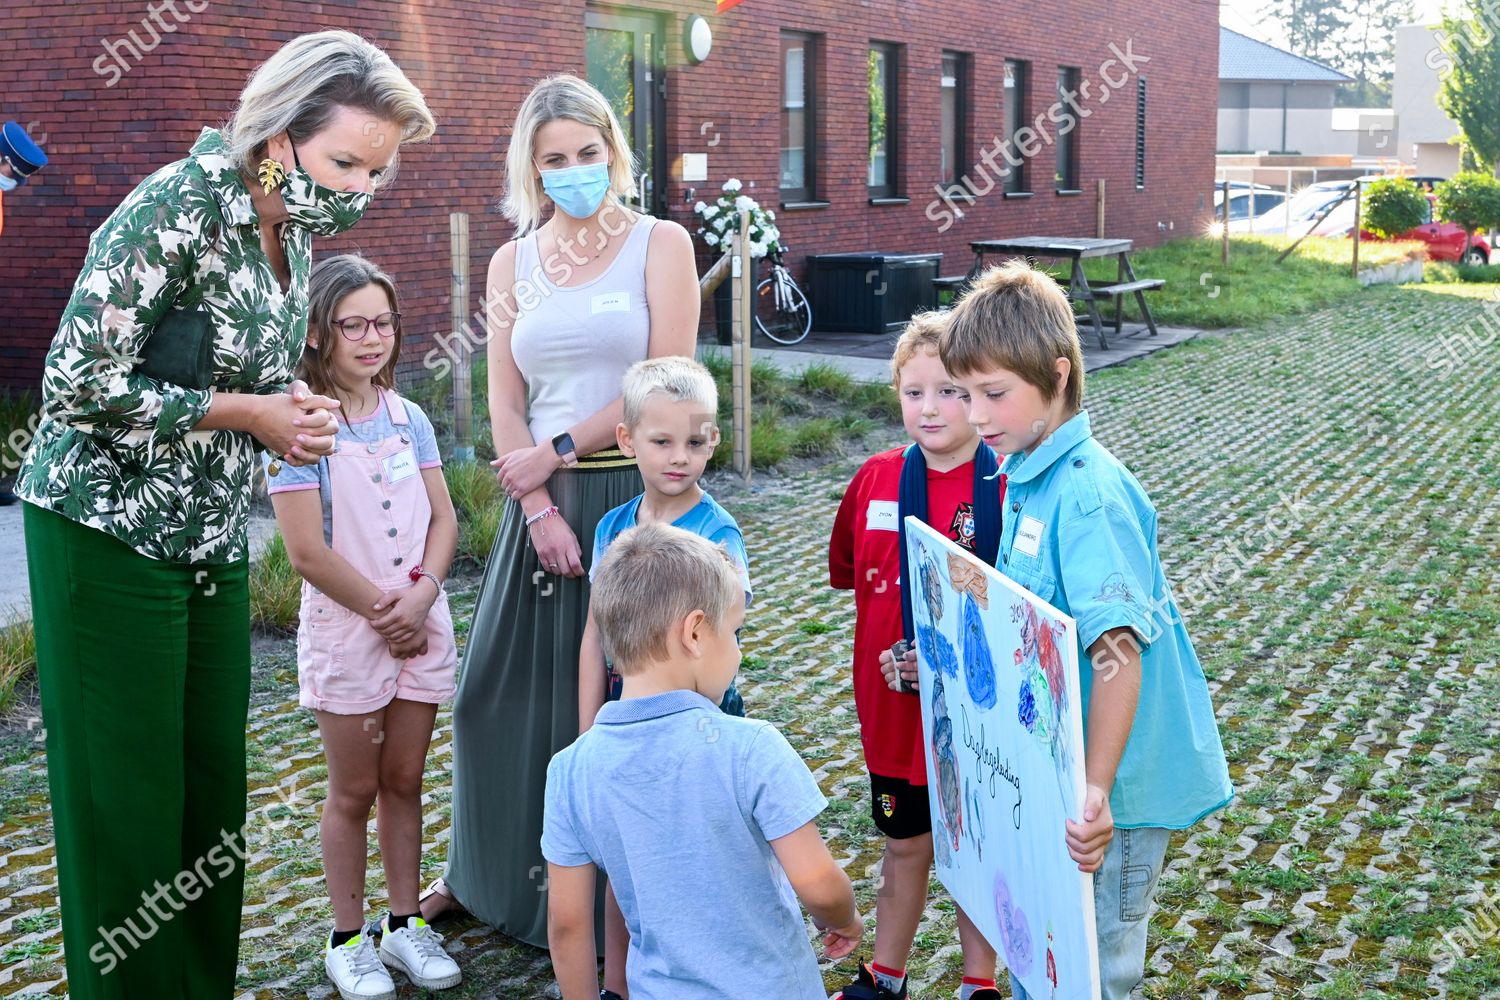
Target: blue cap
(25, 156)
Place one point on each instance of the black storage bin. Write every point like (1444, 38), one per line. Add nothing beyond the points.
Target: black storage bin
(870, 292)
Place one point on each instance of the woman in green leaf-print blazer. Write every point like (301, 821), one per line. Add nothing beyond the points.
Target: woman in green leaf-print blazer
(137, 492)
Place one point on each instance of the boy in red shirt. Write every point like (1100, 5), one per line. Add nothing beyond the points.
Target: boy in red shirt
(944, 471)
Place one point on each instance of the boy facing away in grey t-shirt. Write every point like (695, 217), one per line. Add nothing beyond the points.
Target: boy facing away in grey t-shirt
(703, 821)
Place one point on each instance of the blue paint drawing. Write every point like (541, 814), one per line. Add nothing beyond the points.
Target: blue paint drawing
(937, 650)
(979, 663)
(976, 819)
(931, 587)
(945, 757)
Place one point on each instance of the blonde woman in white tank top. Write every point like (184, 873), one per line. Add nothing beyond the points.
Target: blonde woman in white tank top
(573, 301)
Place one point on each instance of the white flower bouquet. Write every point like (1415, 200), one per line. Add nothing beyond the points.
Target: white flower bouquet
(720, 222)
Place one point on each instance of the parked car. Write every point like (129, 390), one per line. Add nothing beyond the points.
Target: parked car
(1445, 240)
(1246, 200)
(1306, 205)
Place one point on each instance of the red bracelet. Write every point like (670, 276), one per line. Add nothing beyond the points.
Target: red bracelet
(417, 572)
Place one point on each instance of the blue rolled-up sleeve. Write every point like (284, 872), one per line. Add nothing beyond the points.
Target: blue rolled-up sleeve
(1107, 566)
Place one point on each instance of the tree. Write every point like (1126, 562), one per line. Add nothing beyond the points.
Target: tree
(1471, 200)
(1313, 27)
(1470, 87)
(1392, 206)
(1356, 38)
(1368, 52)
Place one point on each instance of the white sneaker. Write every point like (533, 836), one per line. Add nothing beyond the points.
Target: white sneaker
(356, 970)
(417, 950)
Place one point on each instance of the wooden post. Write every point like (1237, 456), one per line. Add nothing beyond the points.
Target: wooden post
(1099, 210)
(713, 277)
(1354, 264)
(1224, 224)
(742, 296)
(463, 391)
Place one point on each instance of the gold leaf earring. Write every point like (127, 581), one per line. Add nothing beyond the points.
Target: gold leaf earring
(271, 174)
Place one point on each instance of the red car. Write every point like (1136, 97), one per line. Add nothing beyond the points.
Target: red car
(1445, 240)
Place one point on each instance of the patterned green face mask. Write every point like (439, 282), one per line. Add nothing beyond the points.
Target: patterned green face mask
(318, 209)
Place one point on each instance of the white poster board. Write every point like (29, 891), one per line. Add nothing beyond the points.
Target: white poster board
(1003, 729)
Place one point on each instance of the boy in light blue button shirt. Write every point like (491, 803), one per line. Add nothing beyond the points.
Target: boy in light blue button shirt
(703, 821)
(1080, 533)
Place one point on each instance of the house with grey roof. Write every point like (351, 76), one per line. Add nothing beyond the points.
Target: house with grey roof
(1271, 100)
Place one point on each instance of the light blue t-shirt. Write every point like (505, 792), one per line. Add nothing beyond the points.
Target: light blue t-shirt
(707, 520)
(1080, 533)
(678, 804)
(364, 431)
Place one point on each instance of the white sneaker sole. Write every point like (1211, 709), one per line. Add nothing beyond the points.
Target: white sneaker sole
(348, 995)
(442, 983)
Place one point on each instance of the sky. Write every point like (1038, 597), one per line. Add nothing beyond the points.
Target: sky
(1245, 17)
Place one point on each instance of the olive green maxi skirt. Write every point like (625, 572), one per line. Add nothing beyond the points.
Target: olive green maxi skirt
(517, 703)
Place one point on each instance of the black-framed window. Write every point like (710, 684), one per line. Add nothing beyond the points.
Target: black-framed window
(955, 114)
(885, 120)
(1140, 133)
(799, 53)
(1067, 139)
(1016, 73)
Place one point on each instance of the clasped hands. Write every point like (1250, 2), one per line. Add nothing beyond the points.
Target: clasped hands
(402, 620)
(298, 425)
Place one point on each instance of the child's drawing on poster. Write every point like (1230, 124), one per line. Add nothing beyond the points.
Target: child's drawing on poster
(1004, 734)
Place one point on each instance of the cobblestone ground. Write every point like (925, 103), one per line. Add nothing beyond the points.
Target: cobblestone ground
(1328, 497)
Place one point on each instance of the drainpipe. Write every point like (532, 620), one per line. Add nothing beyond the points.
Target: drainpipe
(1284, 88)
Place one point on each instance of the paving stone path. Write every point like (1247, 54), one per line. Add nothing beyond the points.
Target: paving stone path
(1329, 492)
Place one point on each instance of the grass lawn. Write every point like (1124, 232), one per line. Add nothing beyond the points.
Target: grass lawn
(1252, 288)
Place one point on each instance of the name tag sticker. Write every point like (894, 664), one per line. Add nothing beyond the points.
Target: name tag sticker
(1029, 536)
(883, 515)
(402, 465)
(611, 302)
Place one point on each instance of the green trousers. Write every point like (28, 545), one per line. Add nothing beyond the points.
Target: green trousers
(144, 668)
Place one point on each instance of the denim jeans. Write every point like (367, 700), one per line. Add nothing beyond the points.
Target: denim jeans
(1123, 888)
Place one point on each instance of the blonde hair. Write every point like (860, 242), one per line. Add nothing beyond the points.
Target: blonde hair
(679, 378)
(298, 89)
(1017, 318)
(653, 577)
(924, 330)
(332, 280)
(560, 96)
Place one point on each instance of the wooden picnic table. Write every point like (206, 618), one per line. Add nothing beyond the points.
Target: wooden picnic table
(1076, 250)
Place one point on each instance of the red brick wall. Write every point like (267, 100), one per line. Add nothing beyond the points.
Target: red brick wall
(475, 60)
(1179, 38)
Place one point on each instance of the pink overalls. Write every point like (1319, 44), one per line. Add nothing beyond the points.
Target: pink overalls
(380, 519)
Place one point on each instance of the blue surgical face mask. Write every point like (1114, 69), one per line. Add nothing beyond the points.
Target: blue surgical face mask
(8, 183)
(577, 191)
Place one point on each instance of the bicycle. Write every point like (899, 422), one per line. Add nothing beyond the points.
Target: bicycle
(781, 310)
